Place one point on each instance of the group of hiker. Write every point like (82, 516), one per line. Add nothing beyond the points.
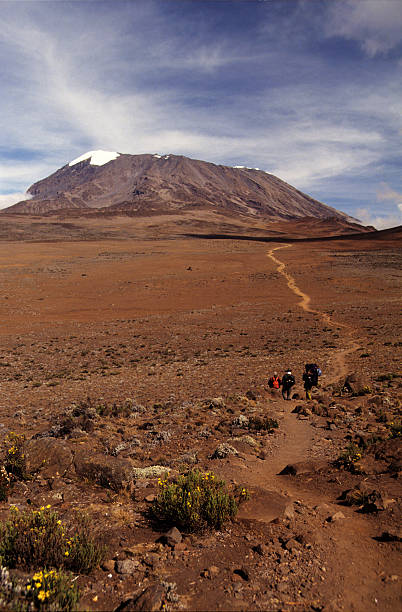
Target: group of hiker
(310, 379)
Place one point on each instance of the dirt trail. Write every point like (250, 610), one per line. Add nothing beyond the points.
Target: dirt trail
(349, 547)
(339, 357)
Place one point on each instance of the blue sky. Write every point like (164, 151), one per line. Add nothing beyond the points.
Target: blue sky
(308, 90)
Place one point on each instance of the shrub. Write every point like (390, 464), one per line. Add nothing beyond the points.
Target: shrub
(125, 409)
(395, 429)
(15, 461)
(85, 553)
(52, 590)
(38, 538)
(348, 458)
(5, 483)
(46, 590)
(262, 424)
(196, 501)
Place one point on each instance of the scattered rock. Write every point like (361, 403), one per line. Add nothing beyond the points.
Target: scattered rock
(243, 572)
(150, 600)
(391, 535)
(153, 471)
(289, 512)
(303, 467)
(241, 421)
(217, 402)
(126, 566)
(172, 537)
(108, 566)
(261, 549)
(336, 517)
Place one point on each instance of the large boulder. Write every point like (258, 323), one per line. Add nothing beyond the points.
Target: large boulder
(110, 472)
(48, 456)
(303, 467)
(357, 384)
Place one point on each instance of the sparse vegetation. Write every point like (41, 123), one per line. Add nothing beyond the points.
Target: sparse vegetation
(197, 500)
(256, 423)
(38, 538)
(395, 429)
(15, 460)
(52, 590)
(349, 457)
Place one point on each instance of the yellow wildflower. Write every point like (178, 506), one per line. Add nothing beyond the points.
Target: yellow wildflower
(41, 595)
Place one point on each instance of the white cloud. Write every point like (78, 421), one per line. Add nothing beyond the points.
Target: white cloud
(12, 198)
(375, 24)
(391, 216)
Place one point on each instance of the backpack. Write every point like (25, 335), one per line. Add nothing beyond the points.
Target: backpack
(288, 380)
(275, 381)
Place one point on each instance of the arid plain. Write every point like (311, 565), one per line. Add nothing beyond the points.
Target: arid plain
(186, 331)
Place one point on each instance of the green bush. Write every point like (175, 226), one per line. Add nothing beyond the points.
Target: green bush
(395, 429)
(5, 483)
(349, 457)
(196, 501)
(52, 590)
(85, 553)
(38, 538)
(47, 590)
(256, 423)
(15, 461)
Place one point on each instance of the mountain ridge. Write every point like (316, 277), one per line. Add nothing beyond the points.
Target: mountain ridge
(146, 184)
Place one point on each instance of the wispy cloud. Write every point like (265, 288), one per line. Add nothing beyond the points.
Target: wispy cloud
(388, 215)
(219, 81)
(375, 25)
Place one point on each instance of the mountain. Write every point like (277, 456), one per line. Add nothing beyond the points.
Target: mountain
(148, 185)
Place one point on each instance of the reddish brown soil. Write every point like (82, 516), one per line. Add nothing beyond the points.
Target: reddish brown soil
(172, 324)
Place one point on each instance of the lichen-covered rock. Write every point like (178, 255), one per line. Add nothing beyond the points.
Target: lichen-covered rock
(241, 421)
(223, 450)
(153, 471)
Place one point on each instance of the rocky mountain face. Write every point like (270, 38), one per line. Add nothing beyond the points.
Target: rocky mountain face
(146, 185)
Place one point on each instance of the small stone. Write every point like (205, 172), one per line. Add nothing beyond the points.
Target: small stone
(335, 517)
(126, 566)
(289, 512)
(172, 537)
(261, 549)
(292, 544)
(108, 566)
(243, 572)
(150, 498)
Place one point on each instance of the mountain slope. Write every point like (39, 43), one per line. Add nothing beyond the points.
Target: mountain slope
(154, 184)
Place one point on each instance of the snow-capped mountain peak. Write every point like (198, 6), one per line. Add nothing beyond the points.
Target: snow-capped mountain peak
(97, 158)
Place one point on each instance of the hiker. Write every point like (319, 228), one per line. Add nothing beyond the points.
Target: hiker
(308, 379)
(314, 371)
(274, 382)
(288, 380)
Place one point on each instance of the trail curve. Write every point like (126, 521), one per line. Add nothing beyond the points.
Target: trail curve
(338, 360)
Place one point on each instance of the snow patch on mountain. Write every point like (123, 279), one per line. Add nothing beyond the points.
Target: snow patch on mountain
(96, 158)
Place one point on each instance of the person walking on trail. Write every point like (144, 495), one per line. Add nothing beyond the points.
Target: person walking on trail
(315, 372)
(308, 379)
(274, 382)
(288, 380)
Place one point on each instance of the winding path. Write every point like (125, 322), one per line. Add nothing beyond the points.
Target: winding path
(339, 357)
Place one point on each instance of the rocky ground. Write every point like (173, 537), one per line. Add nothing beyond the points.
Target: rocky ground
(119, 356)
